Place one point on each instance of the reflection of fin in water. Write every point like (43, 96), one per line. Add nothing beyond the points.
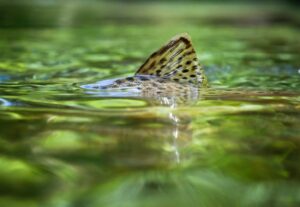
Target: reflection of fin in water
(175, 145)
(170, 75)
(175, 135)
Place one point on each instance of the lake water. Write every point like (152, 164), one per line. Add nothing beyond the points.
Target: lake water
(61, 146)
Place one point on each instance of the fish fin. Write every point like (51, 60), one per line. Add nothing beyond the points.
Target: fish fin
(177, 61)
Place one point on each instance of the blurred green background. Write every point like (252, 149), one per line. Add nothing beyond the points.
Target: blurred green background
(64, 13)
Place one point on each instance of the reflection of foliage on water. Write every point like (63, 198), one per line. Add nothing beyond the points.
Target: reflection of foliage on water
(129, 159)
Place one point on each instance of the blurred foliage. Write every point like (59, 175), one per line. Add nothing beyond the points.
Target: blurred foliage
(95, 13)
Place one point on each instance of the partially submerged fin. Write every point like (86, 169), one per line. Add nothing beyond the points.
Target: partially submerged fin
(177, 61)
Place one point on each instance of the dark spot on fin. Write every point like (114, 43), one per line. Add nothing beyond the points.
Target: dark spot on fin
(152, 64)
(130, 79)
(119, 81)
(162, 61)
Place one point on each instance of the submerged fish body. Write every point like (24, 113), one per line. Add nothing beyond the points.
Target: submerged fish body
(146, 86)
(170, 74)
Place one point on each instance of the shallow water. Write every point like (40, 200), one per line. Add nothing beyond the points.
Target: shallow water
(62, 146)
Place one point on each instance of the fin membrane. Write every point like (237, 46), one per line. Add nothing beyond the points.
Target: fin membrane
(177, 61)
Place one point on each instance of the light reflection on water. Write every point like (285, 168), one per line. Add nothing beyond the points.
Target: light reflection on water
(4, 102)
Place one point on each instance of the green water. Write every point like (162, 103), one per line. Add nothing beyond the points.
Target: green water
(61, 146)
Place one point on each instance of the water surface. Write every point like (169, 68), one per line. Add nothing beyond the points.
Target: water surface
(62, 146)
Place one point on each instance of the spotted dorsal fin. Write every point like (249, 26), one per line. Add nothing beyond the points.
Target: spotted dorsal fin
(177, 61)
